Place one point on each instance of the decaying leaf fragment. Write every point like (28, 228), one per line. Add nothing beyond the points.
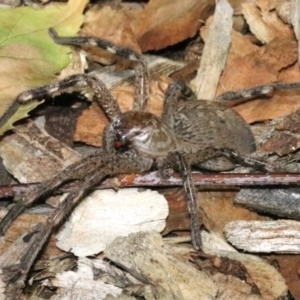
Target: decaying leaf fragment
(281, 143)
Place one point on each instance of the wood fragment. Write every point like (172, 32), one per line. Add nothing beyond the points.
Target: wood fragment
(280, 202)
(143, 256)
(215, 52)
(118, 214)
(295, 19)
(31, 155)
(82, 285)
(157, 66)
(282, 236)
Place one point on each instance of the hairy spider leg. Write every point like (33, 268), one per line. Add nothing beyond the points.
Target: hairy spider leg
(91, 171)
(142, 89)
(102, 95)
(174, 92)
(72, 172)
(104, 99)
(265, 90)
(190, 192)
(182, 162)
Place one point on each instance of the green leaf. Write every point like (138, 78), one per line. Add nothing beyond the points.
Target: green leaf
(28, 56)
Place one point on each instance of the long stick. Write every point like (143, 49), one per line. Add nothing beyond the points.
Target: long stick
(152, 180)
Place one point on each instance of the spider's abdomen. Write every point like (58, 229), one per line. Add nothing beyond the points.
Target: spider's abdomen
(201, 124)
(145, 133)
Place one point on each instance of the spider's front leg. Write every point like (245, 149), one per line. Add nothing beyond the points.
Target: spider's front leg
(104, 99)
(102, 95)
(141, 72)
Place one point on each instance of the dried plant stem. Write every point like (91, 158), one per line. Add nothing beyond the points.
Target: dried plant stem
(152, 180)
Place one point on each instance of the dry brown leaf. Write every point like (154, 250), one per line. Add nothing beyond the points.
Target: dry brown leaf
(219, 209)
(241, 45)
(168, 22)
(269, 109)
(289, 269)
(164, 23)
(90, 126)
(259, 67)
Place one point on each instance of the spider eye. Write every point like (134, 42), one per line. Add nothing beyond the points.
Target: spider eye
(118, 145)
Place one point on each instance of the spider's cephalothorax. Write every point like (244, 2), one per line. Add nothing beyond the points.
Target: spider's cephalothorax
(190, 132)
(144, 133)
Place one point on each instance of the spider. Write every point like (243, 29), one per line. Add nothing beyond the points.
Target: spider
(189, 133)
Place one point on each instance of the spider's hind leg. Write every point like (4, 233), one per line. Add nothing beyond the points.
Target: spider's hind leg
(141, 72)
(175, 91)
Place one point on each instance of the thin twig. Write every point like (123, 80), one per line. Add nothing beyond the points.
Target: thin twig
(153, 180)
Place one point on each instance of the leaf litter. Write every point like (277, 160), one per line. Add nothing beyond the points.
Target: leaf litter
(264, 52)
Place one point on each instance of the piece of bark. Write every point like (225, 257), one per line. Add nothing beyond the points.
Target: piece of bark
(5, 177)
(31, 155)
(82, 285)
(282, 236)
(295, 19)
(143, 256)
(13, 260)
(215, 52)
(105, 215)
(24, 224)
(279, 202)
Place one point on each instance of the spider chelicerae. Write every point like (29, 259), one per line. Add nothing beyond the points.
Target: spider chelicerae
(189, 133)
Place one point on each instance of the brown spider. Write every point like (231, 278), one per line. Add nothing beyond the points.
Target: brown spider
(189, 132)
